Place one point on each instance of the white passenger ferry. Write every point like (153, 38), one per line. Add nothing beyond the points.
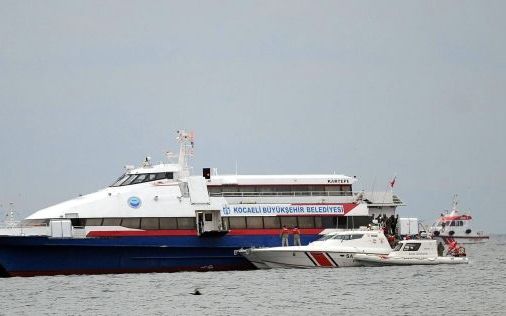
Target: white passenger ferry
(159, 218)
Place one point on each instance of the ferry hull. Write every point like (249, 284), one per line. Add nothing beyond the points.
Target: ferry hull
(32, 256)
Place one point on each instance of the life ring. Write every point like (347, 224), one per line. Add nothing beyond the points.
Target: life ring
(468, 231)
(451, 233)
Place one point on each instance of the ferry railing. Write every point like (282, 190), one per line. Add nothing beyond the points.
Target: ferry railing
(281, 193)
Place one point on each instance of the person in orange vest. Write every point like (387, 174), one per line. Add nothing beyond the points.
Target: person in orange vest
(453, 249)
(296, 236)
(284, 236)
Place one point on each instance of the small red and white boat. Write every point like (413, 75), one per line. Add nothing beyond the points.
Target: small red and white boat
(456, 226)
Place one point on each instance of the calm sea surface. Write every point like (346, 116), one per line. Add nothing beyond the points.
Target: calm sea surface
(478, 288)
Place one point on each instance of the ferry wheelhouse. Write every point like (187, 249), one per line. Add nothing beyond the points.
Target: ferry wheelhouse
(159, 218)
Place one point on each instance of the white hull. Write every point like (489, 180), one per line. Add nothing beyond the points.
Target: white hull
(462, 239)
(265, 259)
(374, 260)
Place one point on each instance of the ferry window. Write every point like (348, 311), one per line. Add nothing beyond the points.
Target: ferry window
(318, 222)
(238, 222)
(160, 176)
(398, 247)
(150, 223)
(411, 247)
(288, 221)
(266, 190)
(169, 175)
(131, 222)
(168, 223)
(43, 222)
(140, 178)
(357, 236)
(246, 188)
(186, 223)
(271, 222)
(316, 188)
(358, 221)
(129, 180)
(342, 221)
(208, 217)
(306, 221)
(461, 223)
(300, 188)
(254, 222)
(346, 188)
(93, 222)
(329, 221)
(120, 180)
(452, 223)
(214, 190)
(112, 222)
(230, 188)
(151, 177)
(332, 190)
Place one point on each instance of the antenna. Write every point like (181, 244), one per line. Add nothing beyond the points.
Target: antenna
(10, 217)
(186, 144)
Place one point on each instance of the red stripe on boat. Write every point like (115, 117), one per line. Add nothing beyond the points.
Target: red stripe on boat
(322, 260)
(192, 232)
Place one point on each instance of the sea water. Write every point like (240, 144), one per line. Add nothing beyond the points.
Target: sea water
(478, 288)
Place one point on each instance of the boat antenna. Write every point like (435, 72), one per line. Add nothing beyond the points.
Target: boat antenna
(10, 217)
(186, 144)
(455, 202)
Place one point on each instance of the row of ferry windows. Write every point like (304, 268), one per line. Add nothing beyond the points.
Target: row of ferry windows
(233, 222)
(241, 222)
(454, 223)
(128, 179)
(278, 188)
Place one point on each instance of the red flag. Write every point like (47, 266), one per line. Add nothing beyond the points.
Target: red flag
(392, 183)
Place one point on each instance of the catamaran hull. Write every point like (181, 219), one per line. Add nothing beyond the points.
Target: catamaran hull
(35, 255)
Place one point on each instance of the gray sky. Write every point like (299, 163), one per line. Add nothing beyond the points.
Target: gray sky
(365, 88)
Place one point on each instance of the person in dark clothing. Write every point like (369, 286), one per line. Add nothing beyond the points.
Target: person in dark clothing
(392, 225)
(440, 249)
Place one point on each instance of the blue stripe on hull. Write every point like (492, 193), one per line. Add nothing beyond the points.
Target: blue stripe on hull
(46, 256)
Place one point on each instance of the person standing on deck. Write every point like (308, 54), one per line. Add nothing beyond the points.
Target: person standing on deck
(284, 236)
(296, 236)
(440, 249)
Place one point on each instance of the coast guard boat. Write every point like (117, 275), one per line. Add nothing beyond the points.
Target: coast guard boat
(334, 250)
(456, 226)
(411, 252)
(159, 218)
